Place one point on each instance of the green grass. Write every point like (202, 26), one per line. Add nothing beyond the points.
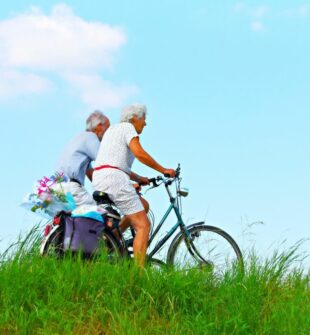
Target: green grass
(45, 296)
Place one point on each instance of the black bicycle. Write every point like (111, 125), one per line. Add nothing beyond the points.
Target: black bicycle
(197, 245)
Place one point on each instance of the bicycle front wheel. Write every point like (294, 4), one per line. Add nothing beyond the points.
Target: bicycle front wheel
(205, 247)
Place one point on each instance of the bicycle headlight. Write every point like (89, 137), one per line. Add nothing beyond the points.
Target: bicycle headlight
(183, 192)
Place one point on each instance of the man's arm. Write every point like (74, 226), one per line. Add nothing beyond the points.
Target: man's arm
(146, 159)
(92, 145)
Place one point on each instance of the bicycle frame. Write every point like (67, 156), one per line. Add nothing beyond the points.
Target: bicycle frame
(174, 206)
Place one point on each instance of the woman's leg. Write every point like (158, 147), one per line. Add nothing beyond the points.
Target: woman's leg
(141, 224)
(125, 222)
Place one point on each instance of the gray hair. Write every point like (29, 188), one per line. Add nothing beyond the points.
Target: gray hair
(94, 119)
(130, 111)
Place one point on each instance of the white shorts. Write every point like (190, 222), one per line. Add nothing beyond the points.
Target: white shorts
(79, 193)
(117, 185)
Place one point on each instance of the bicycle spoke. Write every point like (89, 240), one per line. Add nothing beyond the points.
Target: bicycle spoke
(208, 247)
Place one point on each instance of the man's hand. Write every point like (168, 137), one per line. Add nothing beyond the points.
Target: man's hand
(170, 172)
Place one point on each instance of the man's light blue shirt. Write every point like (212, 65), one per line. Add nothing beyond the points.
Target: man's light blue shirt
(78, 155)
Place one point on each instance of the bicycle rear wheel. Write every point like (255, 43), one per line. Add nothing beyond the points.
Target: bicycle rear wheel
(206, 247)
(54, 243)
(108, 247)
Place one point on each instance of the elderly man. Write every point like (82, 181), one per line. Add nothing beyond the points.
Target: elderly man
(112, 173)
(75, 161)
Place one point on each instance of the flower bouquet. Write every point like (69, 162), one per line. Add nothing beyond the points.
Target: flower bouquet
(48, 197)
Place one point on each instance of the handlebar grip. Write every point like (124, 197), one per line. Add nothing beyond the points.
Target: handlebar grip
(167, 175)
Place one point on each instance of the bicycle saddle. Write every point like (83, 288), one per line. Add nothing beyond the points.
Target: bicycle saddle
(102, 198)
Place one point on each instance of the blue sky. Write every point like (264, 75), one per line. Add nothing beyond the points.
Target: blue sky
(227, 88)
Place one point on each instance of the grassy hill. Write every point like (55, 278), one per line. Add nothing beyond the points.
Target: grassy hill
(45, 296)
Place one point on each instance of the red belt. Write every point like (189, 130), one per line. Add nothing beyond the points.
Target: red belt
(108, 167)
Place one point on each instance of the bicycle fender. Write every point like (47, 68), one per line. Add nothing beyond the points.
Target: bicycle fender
(195, 224)
(46, 238)
(178, 236)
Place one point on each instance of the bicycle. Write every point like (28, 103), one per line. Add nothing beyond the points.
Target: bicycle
(197, 245)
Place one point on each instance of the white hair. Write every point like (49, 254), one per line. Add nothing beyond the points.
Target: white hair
(94, 119)
(130, 111)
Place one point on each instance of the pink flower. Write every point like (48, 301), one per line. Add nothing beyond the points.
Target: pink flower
(40, 190)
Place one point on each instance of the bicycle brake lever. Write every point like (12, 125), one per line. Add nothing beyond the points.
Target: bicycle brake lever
(153, 181)
(149, 189)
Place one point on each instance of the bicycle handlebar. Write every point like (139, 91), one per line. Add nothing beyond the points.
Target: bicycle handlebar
(154, 180)
(170, 179)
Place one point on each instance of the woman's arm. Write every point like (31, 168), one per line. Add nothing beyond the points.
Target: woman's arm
(147, 159)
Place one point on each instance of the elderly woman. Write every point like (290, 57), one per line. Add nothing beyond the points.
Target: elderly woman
(112, 173)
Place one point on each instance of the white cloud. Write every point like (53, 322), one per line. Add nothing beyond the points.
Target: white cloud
(14, 82)
(98, 92)
(257, 26)
(61, 44)
(61, 41)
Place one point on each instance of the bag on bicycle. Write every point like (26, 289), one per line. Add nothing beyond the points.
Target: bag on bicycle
(82, 235)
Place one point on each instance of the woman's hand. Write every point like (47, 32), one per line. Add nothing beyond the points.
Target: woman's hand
(143, 181)
(169, 172)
